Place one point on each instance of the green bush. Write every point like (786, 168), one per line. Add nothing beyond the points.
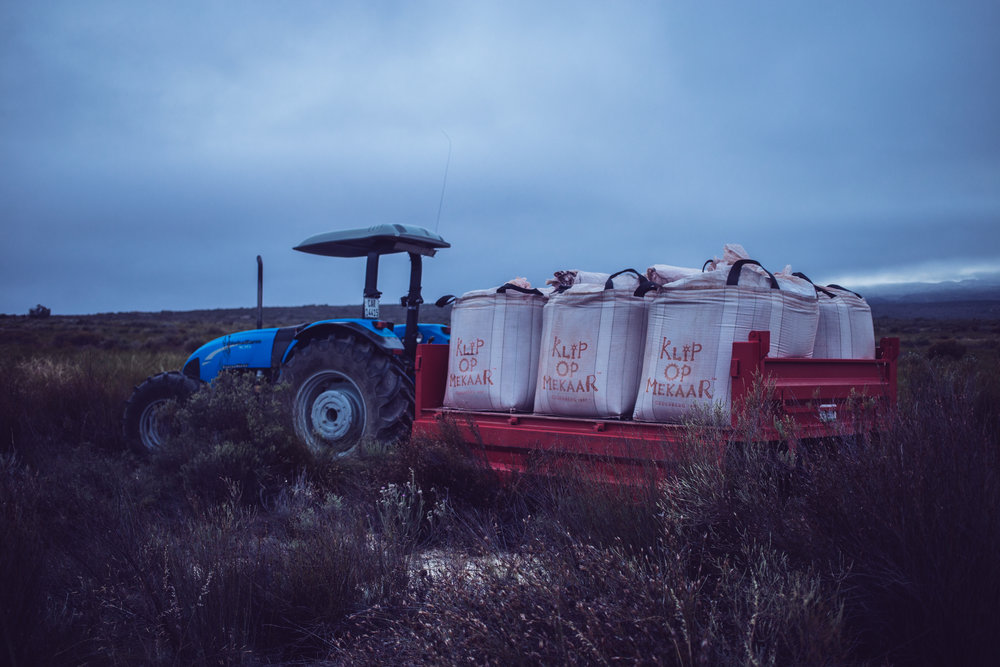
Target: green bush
(949, 349)
(22, 594)
(68, 399)
(917, 513)
(232, 431)
(858, 549)
(234, 545)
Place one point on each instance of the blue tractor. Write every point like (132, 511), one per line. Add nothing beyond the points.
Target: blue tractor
(351, 379)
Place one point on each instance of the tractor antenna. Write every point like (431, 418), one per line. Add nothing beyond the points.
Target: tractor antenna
(444, 182)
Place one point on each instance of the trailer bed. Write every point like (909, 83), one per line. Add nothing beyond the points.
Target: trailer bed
(815, 397)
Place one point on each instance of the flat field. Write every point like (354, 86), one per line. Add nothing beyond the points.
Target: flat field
(233, 545)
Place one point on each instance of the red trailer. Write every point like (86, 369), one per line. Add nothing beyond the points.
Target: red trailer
(817, 397)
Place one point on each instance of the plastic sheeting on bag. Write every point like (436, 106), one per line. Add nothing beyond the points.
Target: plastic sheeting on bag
(693, 323)
(731, 253)
(564, 279)
(662, 274)
(591, 351)
(493, 354)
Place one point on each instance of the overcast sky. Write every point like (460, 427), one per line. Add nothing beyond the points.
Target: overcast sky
(149, 150)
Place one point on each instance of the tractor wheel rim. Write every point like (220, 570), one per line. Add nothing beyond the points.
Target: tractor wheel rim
(151, 425)
(330, 413)
(333, 414)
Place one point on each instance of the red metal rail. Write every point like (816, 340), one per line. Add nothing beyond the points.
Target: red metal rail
(817, 396)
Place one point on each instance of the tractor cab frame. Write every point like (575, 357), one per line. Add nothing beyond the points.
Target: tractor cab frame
(372, 243)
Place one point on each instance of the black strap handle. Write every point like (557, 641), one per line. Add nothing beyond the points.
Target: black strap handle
(645, 287)
(846, 290)
(734, 273)
(610, 282)
(799, 274)
(705, 265)
(645, 284)
(523, 290)
(445, 300)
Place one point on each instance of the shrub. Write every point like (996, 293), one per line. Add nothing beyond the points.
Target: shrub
(234, 431)
(449, 463)
(917, 512)
(68, 399)
(948, 349)
(574, 603)
(22, 594)
(404, 517)
(235, 545)
(868, 549)
(224, 585)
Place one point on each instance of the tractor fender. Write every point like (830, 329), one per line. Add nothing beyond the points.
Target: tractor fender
(383, 339)
(268, 349)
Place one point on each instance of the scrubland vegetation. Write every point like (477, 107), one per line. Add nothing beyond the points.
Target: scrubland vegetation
(233, 545)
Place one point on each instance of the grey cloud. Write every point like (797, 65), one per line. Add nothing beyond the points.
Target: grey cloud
(136, 139)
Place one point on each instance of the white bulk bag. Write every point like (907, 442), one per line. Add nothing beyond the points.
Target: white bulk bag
(693, 323)
(493, 353)
(793, 327)
(591, 350)
(845, 330)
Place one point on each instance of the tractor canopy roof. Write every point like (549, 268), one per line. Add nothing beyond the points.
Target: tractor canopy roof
(381, 239)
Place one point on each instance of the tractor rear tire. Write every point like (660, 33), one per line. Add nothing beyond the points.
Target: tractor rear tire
(143, 423)
(345, 391)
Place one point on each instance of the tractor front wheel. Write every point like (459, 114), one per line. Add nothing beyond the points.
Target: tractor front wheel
(344, 392)
(144, 424)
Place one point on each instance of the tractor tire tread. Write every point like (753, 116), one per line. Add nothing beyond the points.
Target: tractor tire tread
(376, 374)
(165, 385)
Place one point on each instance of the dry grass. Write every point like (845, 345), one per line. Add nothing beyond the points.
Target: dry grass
(234, 546)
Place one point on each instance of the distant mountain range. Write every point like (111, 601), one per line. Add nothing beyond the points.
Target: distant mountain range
(967, 299)
(978, 289)
(974, 298)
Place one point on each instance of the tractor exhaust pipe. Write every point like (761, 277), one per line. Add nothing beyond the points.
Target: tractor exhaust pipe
(260, 293)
